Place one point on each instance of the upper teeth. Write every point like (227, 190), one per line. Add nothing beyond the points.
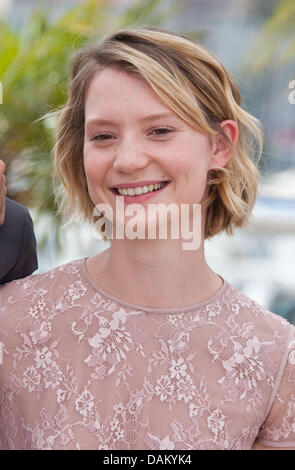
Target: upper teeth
(139, 189)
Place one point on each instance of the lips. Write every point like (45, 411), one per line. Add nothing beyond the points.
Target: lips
(141, 197)
(139, 183)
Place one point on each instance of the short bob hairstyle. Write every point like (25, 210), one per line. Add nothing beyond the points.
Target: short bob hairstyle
(190, 81)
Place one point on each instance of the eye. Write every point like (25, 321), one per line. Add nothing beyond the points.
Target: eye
(103, 137)
(98, 137)
(162, 130)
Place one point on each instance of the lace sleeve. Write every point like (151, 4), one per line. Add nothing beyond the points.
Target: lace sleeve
(278, 429)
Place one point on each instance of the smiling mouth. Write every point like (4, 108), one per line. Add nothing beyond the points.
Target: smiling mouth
(138, 191)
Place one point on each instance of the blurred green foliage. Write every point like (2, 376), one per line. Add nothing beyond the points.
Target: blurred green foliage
(261, 8)
(274, 46)
(34, 71)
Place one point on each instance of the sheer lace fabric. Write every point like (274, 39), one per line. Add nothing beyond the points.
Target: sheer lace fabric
(84, 370)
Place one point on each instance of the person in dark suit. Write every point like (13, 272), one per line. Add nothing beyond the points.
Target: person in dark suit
(18, 256)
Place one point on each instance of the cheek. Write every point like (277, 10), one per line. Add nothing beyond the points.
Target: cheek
(94, 175)
(191, 164)
(92, 166)
(192, 171)
(192, 154)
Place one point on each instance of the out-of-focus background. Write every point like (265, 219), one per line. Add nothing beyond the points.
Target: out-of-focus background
(255, 39)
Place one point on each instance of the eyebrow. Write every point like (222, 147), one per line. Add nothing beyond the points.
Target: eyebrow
(151, 117)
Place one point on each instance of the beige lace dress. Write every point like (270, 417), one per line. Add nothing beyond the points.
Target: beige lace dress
(81, 369)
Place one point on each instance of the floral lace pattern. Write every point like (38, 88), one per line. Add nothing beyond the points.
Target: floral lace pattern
(81, 369)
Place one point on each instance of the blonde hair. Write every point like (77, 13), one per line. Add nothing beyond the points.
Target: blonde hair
(193, 83)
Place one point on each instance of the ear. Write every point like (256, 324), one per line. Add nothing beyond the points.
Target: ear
(221, 153)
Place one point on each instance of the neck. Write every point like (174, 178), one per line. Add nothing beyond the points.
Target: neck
(154, 273)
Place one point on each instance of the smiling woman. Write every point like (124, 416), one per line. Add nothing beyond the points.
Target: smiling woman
(144, 346)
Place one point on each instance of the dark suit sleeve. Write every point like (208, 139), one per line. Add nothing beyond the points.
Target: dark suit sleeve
(18, 256)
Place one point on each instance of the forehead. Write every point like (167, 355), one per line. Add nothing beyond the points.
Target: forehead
(114, 77)
(112, 91)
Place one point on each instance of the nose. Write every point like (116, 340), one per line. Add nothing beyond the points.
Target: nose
(130, 157)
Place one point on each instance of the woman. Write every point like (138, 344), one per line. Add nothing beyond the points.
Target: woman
(144, 346)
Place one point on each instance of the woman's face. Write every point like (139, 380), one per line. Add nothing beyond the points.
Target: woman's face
(126, 143)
